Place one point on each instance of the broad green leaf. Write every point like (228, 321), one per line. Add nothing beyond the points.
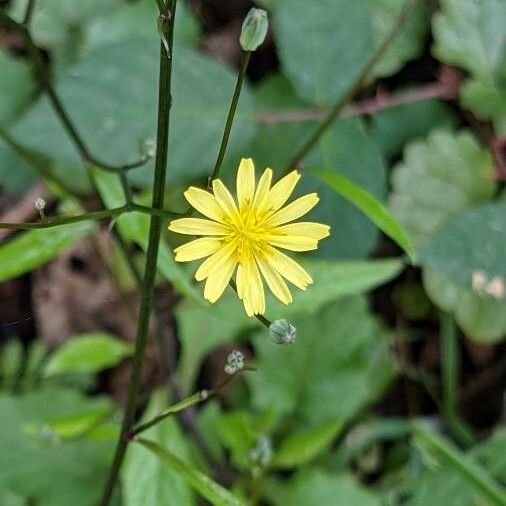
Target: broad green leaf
(300, 448)
(203, 328)
(204, 485)
(127, 113)
(471, 35)
(312, 486)
(323, 45)
(16, 86)
(146, 478)
(437, 178)
(392, 128)
(33, 248)
(463, 465)
(470, 242)
(346, 148)
(87, 353)
(40, 466)
(11, 362)
(408, 43)
(339, 354)
(371, 207)
(135, 227)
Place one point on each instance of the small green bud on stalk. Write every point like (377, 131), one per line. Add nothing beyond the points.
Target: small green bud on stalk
(282, 332)
(254, 29)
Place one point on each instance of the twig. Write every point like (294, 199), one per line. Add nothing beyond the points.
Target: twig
(29, 12)
(164, 106)
(332, 115)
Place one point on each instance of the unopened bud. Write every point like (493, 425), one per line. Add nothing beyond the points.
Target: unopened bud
(40, 205)
(254, 29)
(235, 362)
(282, 332)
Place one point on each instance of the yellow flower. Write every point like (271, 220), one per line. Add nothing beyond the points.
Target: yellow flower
(246, 233)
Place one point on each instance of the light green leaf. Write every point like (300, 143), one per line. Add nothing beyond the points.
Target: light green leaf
(11, 362)
(302, 447)
(471, 35)
(135, 227)
(146, 478)
(437, 178)
(127, 113)
(29, 250)
(206, 487)
(203, 328)
(471, 241)
(315, 487)
(370, 206)
(87, 353)
(409, 42)
(323, 45)
(342, 355)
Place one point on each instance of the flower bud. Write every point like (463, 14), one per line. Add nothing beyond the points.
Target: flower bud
(254, 29)
(235, 362)
(40, 204)
(282, 332)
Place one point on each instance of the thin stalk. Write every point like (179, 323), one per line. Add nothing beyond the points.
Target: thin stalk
(230, 117)
(164, 106)
(30, 7)
(261, 318)
(449, 363)
(333, 114)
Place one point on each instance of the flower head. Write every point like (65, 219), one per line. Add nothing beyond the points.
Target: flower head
(243, 236)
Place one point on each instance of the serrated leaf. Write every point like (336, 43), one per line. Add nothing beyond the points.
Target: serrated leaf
(87, 353)
(322, 45)
(342, 357)
(146, 479)
(302, 447)
(471, 35)
(437, 178)
(205, 486)
(371, 207)
(127, 113)
(31, 249)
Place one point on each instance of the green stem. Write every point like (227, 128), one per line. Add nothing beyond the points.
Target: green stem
(164, 106)
(230, 117)
(29, 12)
(301, 154)
(261, 318)
(449, 363)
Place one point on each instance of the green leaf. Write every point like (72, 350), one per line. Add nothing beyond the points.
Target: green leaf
(471, 241)
(135, 227)
(87, 353)
(302, 447)
(203, 328)
(127, 113)
(146, 478)
(392, 128)
(206, 487)
(471, 35)
(338, 355)
(437, 178)
(371, 207)
(29, 250)
(16, 87)
(40, 466)
(408, 43)
(11, 361)
(462, 464)
(313, 486)
(322, 45)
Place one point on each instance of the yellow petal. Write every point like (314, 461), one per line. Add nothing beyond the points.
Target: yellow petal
(215, 262)
(256, 289)
(294, 210)
(198, 226)
(224, 198)
(305, 229)
(288, 268)
(199, 248)
(218, 281)
(245, 182)
(275, 282)
(281, 191)
(262, 191)
(205, 203)
(293, 242)
(239, 278)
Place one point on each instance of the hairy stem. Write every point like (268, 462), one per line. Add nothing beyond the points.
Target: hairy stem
(333, 114)
(164, 106)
